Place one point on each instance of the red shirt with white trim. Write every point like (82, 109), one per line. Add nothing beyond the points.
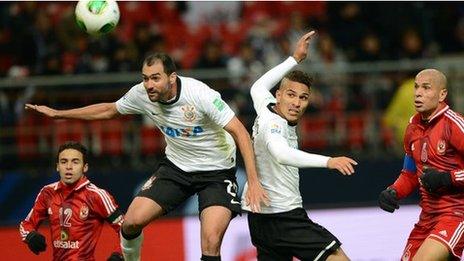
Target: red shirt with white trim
(437, 143)
(76, 215)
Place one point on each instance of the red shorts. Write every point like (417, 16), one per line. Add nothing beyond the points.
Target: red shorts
(447, 230)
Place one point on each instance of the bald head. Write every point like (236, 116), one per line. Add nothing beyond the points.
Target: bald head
(436, 77)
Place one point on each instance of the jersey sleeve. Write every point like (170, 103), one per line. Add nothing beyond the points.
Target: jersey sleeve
(281, 151)
(457, 141)
(214, 107)
(130, 103)
(260, 91)
(36, 215)
(106, 207)
(407, 181)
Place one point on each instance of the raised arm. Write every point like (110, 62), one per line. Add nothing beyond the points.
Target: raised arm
(99, 111)
(260, 91)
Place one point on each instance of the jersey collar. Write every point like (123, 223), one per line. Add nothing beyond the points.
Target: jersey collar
(80, 184)
(443, 107)
(179, 86)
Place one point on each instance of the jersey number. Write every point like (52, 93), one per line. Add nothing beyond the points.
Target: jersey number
(232, 190)
(65, 217)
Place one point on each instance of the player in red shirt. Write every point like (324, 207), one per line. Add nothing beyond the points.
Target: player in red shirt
(434, 162)
(75, 208)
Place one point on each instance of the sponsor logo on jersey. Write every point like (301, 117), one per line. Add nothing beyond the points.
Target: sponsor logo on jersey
(219, 104)
(181, 132)
(441, 147)
(84, 212)
(276, 129)
(64, 235)
(189, 113)
(148, 183)
(66, 244)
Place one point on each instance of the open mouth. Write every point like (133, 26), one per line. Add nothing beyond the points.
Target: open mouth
(418, 103)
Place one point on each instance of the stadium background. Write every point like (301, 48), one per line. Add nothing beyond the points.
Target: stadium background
(363, 61)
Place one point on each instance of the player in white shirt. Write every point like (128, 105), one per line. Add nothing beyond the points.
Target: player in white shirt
(200, 130)
(283, 230)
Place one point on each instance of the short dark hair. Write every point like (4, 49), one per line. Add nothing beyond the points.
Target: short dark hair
(301, 77)
(75, 146)
(168, 64)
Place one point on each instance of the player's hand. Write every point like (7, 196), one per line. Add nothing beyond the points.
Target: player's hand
(115, 256)
(255, 196)
(42, 109)
(342, 164)
(388, 200)
(36, 242)
(433, 180)
(301, 49)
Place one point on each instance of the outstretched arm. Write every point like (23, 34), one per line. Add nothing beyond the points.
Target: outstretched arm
(286, 155)
(255, 193)
(260, 91)
(100, 111)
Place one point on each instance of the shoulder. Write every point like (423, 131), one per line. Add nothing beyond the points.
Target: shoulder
(94, 191)
(456, 120)
(48, 190)
(193, 86)
(50, 187)
(269, 119)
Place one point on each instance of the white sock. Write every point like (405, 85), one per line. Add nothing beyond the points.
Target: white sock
(131, 248)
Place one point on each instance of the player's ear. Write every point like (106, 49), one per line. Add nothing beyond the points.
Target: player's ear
(172, 78)
(278, 95)
(57, 167)
(443, 94)
(86, 167)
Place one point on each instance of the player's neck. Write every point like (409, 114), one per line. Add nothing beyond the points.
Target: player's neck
(427, 115)
(171, 95)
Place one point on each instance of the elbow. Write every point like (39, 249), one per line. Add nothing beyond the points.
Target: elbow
(254, 89)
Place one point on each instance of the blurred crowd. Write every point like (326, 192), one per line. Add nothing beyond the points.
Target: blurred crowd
(41, 38)
(242, 38)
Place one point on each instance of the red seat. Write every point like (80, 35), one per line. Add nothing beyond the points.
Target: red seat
(107, 137)
(315, 131)
(68, 130)
(355, 129)
(151, 140)
(27, 138)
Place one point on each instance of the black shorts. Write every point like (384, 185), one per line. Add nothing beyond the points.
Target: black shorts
(283, 236)
(170, 186)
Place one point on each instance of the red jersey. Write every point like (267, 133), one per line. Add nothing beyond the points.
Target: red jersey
(437, 143)
(76, 217)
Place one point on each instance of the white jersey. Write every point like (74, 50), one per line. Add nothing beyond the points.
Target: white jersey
(281, 181)
(192, 124)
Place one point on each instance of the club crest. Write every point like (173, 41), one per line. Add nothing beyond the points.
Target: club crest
(84, 212)
(189, 113)
(441, 147)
